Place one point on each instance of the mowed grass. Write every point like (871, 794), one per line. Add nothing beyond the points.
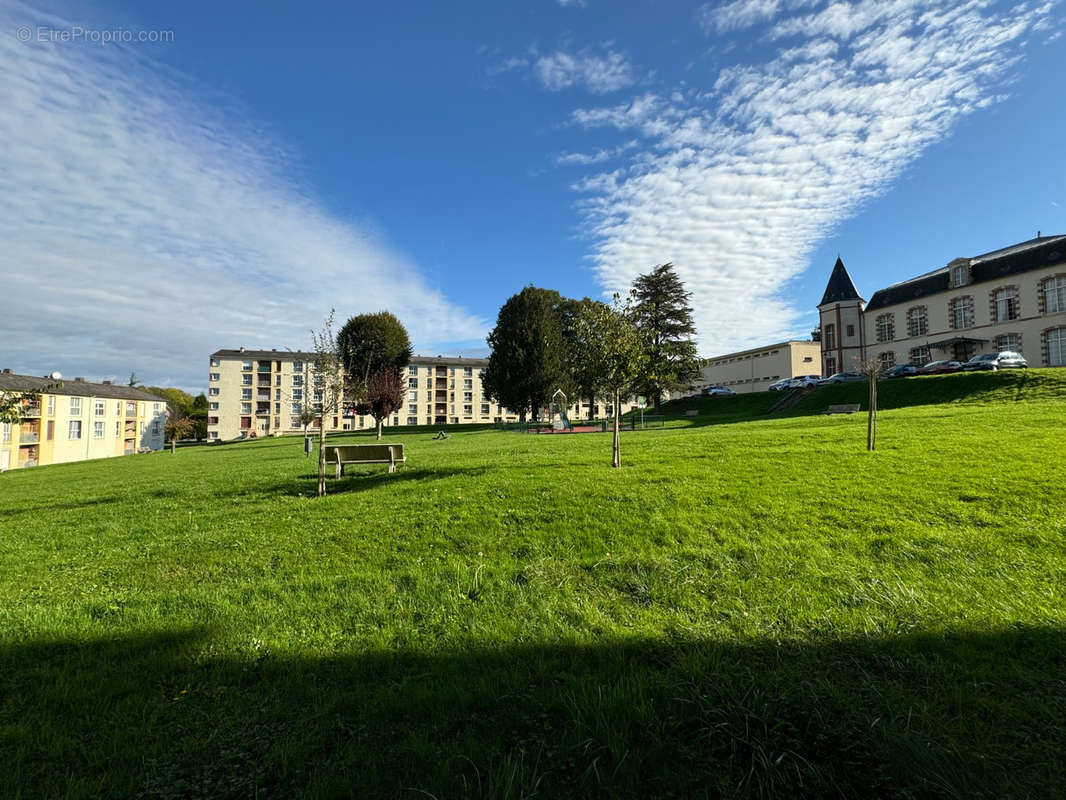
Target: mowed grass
(744, 609)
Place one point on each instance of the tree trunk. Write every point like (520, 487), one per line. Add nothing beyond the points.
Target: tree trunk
(616, 456)
(173, 446)
(379, 430)
(871, 419)
(322, 456)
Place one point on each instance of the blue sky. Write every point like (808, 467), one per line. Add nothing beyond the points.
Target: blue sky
(159, 200)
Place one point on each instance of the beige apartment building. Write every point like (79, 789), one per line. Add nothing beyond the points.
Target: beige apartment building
(261, 393)
(78, 420)
(1009, 299)
(754, 370)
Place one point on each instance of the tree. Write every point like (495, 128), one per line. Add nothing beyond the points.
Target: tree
(613, 350)
(663, 316)
(12, 405)
(369, 343)
(384, 394)
(178, 426)
(306, 417)
(133, 380)
(569, 312)
(871, 368)
(528, 361)
(328, 384)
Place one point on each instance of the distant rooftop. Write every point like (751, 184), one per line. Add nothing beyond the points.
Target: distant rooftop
(76, 387)
(840, 287)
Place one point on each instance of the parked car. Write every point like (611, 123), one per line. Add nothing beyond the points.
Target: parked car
(780, 386)
(842, 377)
(1006, 360)
(804, 381)
(899, 371)
(718, 391)
(938, 368)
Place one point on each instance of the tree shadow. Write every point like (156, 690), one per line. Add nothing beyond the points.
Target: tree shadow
(24, 510)
(361, 479)
(168, 715)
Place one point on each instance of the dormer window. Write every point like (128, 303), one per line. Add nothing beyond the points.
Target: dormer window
(960, 275)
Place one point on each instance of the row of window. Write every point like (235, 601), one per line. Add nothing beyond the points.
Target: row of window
(74, 429)
(467, 371)
(99, 407)
(722, 361)
(1056, 349)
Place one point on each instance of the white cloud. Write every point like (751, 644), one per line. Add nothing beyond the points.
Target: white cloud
(587, 159)
(573, 3)
(597, 73)
(141, 230)
(741, 14)
(739, 185)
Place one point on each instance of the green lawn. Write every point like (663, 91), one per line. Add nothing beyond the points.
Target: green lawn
(746, 608)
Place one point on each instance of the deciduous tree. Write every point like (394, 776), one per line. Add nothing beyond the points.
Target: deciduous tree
(384, 394)
(327, 389)
(663, 316)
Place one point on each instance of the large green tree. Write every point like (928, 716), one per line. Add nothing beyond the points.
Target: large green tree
(612, 349)
(528, 361)
(664, 318)
(368, 343)
(569, 314)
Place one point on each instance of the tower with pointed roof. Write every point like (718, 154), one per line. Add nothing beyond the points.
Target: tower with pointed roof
(840, 319)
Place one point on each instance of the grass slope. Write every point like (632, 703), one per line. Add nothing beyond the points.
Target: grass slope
(743, 609)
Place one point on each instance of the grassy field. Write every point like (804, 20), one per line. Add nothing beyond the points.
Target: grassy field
(751, 606)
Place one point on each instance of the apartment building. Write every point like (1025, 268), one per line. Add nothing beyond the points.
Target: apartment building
(754, 370)
(78, 420)
(261, 393)
(1013, 298)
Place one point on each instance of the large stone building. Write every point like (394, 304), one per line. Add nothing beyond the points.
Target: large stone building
(754, 370)
(1009, 299)
(77, 420)
(261, 393)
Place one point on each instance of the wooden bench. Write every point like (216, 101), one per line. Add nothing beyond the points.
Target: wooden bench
(844, 408)
(341, 454)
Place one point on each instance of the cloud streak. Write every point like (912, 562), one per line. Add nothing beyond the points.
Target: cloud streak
(597, 73)
(739, 185)
(141, 230)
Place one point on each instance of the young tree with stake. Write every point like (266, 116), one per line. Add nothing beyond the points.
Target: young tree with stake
(327, 389)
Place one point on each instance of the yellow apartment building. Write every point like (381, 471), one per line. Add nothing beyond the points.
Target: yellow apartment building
(78, 420)
(261, 393)
(754, 370)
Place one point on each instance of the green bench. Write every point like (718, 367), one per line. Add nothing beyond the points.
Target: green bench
(341, 454)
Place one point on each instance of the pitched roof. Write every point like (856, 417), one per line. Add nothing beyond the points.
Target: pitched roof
(457, 361)
(76, 388)
(1042, 251)
(840, 287)
(274, 354)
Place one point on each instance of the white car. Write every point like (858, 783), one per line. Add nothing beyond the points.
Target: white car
(804, 381)
(780, 386)
(718, 391)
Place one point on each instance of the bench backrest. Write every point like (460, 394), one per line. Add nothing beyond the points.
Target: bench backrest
(846, 408)
(364, 452)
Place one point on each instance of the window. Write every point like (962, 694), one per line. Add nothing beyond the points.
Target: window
(75, 406)
(246, 394)
(212, 420)
(961, 312)
(277, 394)
(959, 275)
(886, 328)
(468, 372)
(98, 408)
(412, 396)
(246, 380)
(246, 408)
(117, 424)
(887, 359)
(74, 429)
(213, 406)
(51, 404)
(5, 433)
(1056, 347)
(468, 383)
(297, 366)
(1055, 295)
(246, 366)
(468, 397)
(213, 391)
(215, 362)
(412, 420)
(412, 408)
(830, 366)
(214, 376)
(485, 409)
(829, 336)
(920, 356)
(212, 435)
(412, 382)
(917, 321)
(468, 411)
(1005, 304)
(851, 330)
(277, 380)
(297, 380)
(412, 370)
(98, 430)
(277, 408)
(1009, 341)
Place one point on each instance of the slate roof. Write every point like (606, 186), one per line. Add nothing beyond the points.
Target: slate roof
(840, 286)
(254, 354)
(454, 362)
(1036, 253)
(28, 383)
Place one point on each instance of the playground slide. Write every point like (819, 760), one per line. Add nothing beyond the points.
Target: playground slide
(562, 424)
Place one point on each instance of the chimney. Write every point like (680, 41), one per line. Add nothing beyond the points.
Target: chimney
(79, 380)
(7, 371)
(107, 383)
(242, 348)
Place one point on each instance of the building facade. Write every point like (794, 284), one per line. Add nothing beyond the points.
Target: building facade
(262, 392)
(78, 420)
(754, 370)
(1009, 299)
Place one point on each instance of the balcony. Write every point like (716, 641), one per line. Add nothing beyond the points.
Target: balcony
(262, 396)
(29, 438)
(30, 410)
(441, 383)
(261, 368)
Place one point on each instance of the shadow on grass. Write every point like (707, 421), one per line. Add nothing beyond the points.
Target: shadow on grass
(163, 715)
(23, 510)
(356, 479)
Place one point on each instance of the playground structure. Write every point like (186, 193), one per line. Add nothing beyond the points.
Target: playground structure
(559, 422)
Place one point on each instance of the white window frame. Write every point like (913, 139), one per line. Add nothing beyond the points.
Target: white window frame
(1006, 303)
(1056, 347)
(960, 275)
(98, 429)
(75, 406)
(963, 306)
(74, 429)
(1008, 342)
(214, 376)
(99, 409)
(1055, 295)
(51, 404)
